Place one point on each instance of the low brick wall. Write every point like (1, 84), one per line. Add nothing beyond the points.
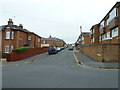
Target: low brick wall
(30, 52)
(102, 52)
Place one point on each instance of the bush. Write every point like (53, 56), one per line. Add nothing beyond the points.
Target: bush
(21, 50)
(3, 55)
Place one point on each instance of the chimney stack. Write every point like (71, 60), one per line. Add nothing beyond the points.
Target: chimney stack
(21, 26)
(10, 22)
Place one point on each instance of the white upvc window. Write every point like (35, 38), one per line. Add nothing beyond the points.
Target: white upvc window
(29, 37)
(44, 41)
(93, 39)
(7, 27)
(93, 30)
(6, 49)
(102, 24)
(7, 34)
(100, 38)
(115, 32)
(108, 34)
(38, 39)
(12, 37)
(104, 37)
(12, 47)
(112, 14)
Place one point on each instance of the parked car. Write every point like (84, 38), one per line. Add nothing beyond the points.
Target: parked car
(52, 50)
(62, 48)
(71, 47)
(58, 49)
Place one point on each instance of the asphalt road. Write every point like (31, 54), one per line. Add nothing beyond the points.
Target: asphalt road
(56, 71)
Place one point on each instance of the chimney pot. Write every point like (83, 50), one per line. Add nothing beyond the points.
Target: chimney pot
(10, 22)
(21, 26)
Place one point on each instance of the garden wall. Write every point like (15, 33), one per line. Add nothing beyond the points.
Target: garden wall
(30, 52)
(102, 52)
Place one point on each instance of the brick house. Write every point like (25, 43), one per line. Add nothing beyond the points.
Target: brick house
(108, 30)
(84, 38)
(14, 36)
(95, 34)
(52, 41)
(105, 38)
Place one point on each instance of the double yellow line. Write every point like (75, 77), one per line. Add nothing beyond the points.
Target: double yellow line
(85, 66)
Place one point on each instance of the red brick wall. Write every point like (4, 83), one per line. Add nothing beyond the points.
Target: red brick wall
(37, 44)
(50, 42)
(96, 34)
(23, 38)
(87, 39)
(32, 45)
(30, 52)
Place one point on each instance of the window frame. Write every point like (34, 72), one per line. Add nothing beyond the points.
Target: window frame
(7, 47)
(114, 32)
(7, 35)
(38, 39)
(12, 47)
(12, 35)
(29, 38)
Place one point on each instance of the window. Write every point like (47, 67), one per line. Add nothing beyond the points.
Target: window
(104, 37)
(100, 38)
(38, 40)
(7, 34)
(12, 48)
(6, 49)
(107, 22)
(102, 24)
(29, 37)
(44, 41)
(12, 37)
(108, 34)
(112, 14)
(115, 32)
(93, 30)
(93, 39)
(8, 27)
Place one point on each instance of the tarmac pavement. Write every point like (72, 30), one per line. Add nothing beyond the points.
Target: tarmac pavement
(89, 62)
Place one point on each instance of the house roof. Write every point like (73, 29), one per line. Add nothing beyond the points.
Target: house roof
(14, 27)
(52, 38)
(85, 33)
(115, 6)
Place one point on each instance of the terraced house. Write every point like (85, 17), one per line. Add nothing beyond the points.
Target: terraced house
(52, 41)
(14, 36)
(108, 30)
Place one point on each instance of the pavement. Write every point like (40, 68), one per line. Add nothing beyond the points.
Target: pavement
(24, 61)
(87, 61)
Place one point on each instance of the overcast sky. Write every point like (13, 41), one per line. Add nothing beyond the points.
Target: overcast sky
(58, 18)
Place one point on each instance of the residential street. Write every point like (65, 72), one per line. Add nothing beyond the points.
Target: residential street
(56, 71)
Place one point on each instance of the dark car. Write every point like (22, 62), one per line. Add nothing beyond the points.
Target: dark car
(71, 47)
(52, 50)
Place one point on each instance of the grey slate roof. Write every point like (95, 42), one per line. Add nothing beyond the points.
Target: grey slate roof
(14, 27)
(52, 38)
